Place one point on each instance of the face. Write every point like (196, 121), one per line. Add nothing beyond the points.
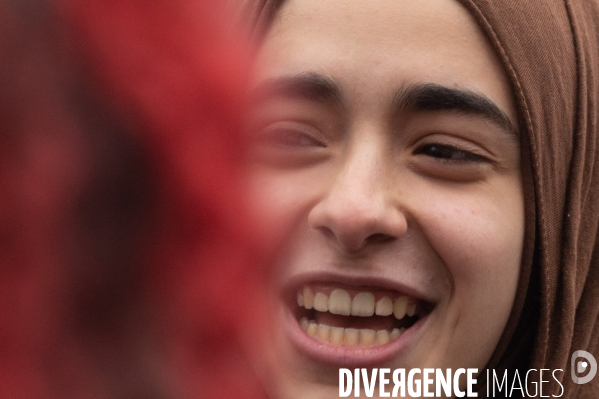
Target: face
(385, 139)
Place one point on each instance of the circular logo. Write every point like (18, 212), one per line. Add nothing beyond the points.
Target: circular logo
(581, 366)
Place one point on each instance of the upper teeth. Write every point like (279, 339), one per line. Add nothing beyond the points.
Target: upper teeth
(340, 302)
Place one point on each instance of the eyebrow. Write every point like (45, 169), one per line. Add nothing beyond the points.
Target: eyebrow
(309, 85)
(424, 97)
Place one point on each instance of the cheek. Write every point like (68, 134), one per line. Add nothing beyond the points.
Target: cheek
(279, 201)
(478, 231)
(277, 196)
(478, 235)
(478, 243)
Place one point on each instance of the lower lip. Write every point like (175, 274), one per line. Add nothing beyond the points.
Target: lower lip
(350, 357)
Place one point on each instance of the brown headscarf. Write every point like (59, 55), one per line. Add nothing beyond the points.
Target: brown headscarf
(550, 50)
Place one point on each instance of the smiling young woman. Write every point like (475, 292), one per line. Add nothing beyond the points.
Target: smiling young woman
(415, 151)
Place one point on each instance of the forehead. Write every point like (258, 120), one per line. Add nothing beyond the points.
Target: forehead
(371, 48)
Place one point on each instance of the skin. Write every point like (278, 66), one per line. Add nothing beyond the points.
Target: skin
(428, 197)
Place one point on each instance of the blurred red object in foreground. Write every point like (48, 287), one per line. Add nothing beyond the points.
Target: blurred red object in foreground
(125, 260)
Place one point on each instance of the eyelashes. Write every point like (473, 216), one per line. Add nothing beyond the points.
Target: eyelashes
(449, 153)
(288, 139)
(288, 135)
(288, 145)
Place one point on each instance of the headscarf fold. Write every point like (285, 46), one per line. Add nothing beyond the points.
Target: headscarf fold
(550, 50)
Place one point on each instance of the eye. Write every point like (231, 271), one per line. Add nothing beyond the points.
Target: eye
(448, 153)
(287, 144)
(288, 138)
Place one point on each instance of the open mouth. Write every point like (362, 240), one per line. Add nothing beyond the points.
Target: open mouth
(355, 318)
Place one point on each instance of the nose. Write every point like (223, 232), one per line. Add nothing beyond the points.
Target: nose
(361, 206)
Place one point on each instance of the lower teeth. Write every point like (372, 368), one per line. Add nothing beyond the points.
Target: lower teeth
(349, 337)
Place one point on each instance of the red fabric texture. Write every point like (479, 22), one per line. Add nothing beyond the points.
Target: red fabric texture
(125, 254)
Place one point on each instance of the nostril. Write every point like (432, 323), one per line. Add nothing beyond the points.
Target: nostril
(352, 243)
(327, 232)
(379, 238)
